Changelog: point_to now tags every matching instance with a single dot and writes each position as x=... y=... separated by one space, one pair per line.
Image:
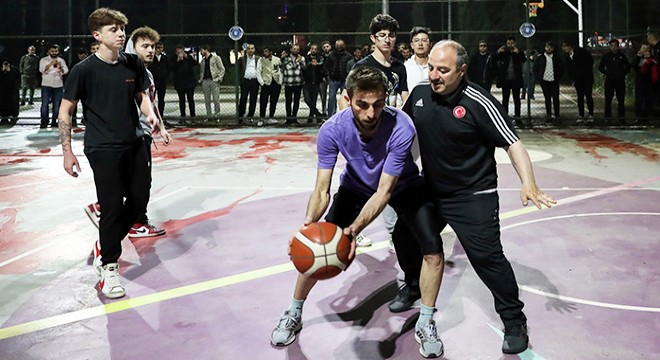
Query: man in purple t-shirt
x=375 y=140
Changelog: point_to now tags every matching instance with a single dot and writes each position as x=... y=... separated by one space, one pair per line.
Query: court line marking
x=122 y=305
x=528 y=354
x=578 y=300
x=191 y=289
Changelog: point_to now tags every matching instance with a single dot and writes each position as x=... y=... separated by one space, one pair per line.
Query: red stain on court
x=174 y=227
x=591 y=142
x=261 y=145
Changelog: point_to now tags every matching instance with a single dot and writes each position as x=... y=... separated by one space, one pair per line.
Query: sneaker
x=363 y=241
x=405 y=299
x=93 y=211
x=272 y=121
x=145 y=230
x=286 y=330
x=110 y=285
x=96 y=262
x=430 y=345
x=515 y=339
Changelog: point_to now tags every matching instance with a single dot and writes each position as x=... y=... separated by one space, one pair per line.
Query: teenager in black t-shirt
x=109 y=85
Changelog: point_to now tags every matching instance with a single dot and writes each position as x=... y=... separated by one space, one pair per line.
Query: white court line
x=573 y=299
x=23 y=185
x=568 y=98
x=588 y=302
x=30 y=252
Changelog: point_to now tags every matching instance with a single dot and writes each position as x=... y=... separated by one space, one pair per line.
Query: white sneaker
x=110 y=285
x=363 y=241
x=96 y=262
x=272 y=121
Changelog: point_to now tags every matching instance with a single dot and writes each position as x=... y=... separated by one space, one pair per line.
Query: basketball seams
x=320 y=250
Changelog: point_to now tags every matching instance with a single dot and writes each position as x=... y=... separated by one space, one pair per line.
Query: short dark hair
x=53 y=46
x=566 y=43
x=159 y=43
x=383 y=22
x=419 y=30
x=613 y=41
x=145 y=32
x=511 y=38
x=82 y=51
x=179 y=46
x=205 y=47
x=366 y=78
x=551 y=44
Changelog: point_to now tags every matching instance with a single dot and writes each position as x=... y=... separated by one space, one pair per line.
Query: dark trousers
x=551 y=95
x=292 y=101
x=644 y=98
x=119 y=174
x=416 y=225
x=323 y=92
x=160 y=94
x=142 y=217
x=183 y=94
x=269 y=93
x=511 y=87
x=475 y=219
x=311 y=95
x=248 y=87
x=48 y=95
x=617 y=86
x=584 y=89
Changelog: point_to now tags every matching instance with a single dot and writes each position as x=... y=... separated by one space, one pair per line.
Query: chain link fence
x=279 y=24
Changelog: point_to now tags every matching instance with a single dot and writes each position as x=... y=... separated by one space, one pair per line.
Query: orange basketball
x=320 y=250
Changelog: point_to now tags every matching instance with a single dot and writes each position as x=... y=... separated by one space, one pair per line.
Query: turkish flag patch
x=459 y=112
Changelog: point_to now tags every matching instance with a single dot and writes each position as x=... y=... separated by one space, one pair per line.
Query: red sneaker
x=144 y=230
x=96 y=262
x=93 y=211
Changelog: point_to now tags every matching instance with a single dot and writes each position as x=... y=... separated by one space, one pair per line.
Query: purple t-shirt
x=387 y=152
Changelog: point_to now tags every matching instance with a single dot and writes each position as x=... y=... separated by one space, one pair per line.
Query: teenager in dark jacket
x=548 y=69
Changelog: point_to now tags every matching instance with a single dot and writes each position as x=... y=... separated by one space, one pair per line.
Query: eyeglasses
x=382 y=36
x=422 y=40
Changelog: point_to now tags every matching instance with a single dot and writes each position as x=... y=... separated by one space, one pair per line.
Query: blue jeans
x=335 y=85
x=49 y=94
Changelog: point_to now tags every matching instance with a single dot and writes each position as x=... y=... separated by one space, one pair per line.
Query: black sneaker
x=515 y=339
x=405 y=299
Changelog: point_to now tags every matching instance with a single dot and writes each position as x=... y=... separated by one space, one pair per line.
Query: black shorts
x=413 y=206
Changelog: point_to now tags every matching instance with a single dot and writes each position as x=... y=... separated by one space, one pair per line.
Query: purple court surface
x=215 y=285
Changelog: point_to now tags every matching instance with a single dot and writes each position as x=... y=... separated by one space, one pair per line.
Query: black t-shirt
x=457 y=138
x=396 y=74
x=107 y=93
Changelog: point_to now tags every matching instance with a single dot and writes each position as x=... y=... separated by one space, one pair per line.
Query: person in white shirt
x=548 y=68
x=52 y=69
x=247 y=73
x=417 y=67
x=211 y=73
x=269 y=76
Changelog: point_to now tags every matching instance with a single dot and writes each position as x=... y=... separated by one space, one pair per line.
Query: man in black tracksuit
x=614 y=65
x=580 y=68
x=458 y=126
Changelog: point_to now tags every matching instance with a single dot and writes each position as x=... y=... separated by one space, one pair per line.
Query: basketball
x=320 y=250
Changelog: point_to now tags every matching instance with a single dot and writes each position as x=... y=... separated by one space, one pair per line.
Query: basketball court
x=216 y=284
